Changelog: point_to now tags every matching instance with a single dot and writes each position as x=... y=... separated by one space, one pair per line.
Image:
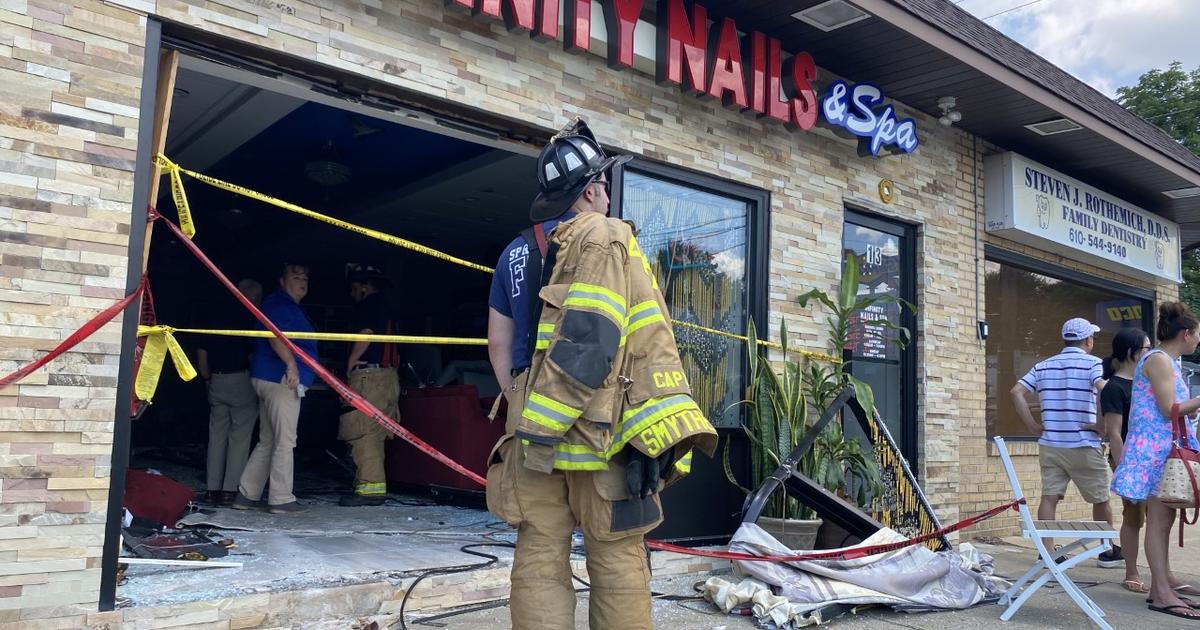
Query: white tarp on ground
x=789 y=595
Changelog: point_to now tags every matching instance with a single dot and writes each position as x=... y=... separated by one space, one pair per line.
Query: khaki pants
x=233 y=408
x=278 y=412
x=547 y=508
x=381 y=388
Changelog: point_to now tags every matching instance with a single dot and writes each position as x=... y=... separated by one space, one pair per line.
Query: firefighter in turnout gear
x=370 y=371
x=600 y=416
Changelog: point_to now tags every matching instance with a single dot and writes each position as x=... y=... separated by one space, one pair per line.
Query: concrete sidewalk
x=1049 y=608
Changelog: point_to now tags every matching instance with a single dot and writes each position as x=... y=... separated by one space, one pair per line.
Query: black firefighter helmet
x=566 y=166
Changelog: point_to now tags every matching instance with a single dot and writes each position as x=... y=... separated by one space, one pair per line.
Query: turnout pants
x=366 y=437
x=272 y=459
x=233 y=408
x=546 y=508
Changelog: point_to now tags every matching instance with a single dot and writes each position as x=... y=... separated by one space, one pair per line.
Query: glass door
x=887 y=266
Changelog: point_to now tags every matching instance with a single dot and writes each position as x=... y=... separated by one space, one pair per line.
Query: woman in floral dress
x=1158 y=384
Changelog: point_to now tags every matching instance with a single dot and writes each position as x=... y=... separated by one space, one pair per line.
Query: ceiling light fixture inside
x=327 y=170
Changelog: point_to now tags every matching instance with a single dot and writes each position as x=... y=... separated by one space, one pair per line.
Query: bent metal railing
x=903 y=506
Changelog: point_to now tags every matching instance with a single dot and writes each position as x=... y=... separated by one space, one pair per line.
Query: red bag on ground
x=156 y=497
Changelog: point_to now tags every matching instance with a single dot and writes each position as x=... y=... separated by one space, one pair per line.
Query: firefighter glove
x=644 y=473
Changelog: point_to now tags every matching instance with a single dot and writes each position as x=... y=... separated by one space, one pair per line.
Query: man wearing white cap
x=1069 y=446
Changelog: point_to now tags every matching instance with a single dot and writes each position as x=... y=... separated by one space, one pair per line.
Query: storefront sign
x=750 y=72
x=708 y=60
x=1029 y=203
x=855 y=110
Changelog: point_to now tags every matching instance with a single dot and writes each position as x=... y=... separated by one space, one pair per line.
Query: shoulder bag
x=1178 y=487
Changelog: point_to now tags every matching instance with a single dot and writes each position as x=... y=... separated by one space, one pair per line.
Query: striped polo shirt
x=1066 y=386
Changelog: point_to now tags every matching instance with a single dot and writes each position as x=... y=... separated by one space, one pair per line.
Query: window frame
x=1024 y=262
x=758 y=229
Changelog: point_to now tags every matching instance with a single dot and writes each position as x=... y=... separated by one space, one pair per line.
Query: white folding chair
x=1051 y=566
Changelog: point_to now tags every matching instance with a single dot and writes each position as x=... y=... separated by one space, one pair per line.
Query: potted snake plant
x=780 y=406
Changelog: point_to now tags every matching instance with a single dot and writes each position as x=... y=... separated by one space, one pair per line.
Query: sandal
x=1186 y=589
x=1135 y=586
x=1194 y=605
x=1169 y=610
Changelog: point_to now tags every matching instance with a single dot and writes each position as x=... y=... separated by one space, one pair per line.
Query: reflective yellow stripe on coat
x=596 y=298
x=641 y=315
x=544 y=332
x=578 y=457
x=645 y=415
x=635 y=252
x=684 y=465
x=549 y=413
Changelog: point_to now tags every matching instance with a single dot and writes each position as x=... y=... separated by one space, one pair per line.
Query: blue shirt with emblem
x=510 y=291
x=285 y=313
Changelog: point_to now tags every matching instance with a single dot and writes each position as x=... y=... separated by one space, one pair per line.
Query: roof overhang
x=921 y=50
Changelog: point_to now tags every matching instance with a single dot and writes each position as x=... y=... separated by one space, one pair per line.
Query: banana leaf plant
x=847 y=308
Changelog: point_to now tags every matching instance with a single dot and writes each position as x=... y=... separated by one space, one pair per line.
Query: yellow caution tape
x=279 y=203
x=319 y=336
x=415 y=339
x=180 y=197
x=159 y=343
x=185 y=221
x=820 y=356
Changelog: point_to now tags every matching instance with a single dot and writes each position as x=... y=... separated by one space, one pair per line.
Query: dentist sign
x=855 y=109
x=1034 y=205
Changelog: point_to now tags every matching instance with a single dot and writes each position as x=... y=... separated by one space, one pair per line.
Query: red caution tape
x=94 y=324
x=137 y=406
x=343 y=390
x=842 y=554
x=391 y=425
x=374 y=413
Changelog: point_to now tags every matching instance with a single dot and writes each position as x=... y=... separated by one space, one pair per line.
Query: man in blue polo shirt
x=1069 y=447
x=279 y=379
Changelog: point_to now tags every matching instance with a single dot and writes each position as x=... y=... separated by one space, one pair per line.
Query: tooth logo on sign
x=853 y=109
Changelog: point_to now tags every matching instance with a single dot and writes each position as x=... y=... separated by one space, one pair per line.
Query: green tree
x=1189 y=291
x=1170 y=99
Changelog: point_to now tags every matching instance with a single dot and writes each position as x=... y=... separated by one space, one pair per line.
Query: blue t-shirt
x=510 y=289
x=289 y=317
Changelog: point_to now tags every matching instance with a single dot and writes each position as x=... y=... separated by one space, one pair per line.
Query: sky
x=1106 y=43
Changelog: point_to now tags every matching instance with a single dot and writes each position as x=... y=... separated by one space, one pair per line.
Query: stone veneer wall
x=70 y=82
x=70 y=74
